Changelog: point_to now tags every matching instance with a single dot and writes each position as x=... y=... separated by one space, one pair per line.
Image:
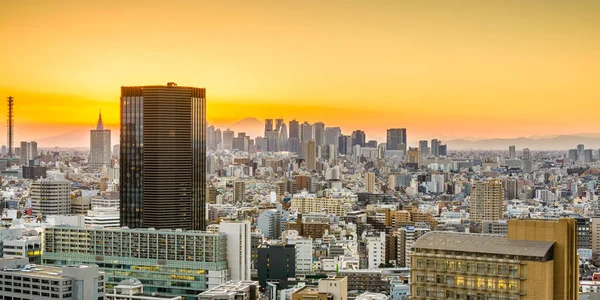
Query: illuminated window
x=460 y=280
x=491 y=284
x=501 y=284
x=513 y=285
x=480 y=282
x=449 y=266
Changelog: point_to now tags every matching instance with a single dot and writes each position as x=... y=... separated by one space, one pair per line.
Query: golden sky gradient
x=439 y=68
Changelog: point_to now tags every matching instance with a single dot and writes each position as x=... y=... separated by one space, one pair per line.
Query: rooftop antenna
x=10 y=126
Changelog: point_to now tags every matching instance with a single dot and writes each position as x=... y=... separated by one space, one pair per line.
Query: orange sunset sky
x=439 y=68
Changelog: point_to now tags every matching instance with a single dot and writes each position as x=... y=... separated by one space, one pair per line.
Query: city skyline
x=464 y=70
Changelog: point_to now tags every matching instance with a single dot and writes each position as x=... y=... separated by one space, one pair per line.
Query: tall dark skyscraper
x=294 y=130
x=358 y=138
x=163 y=157
x=396 y=139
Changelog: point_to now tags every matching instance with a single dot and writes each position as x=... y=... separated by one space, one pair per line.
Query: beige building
x=413 y=156
x=595 y=227
x=370 y=182
x=537 y=261
x=333 y=288
x=336 y=206
x=487 y=199
x=309 y=152
x=563 y=232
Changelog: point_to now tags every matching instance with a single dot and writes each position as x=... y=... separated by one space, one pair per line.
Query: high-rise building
x=512 y=154
x=211 y=140
x=241 y=142
x=587 y=156
x=294 y=130
x=487 y=199
x=309 y=153
x=238 y=248
x=227 y=143
x=306 y=131
x=100 y=154
x=163 y=157
x=572 y=155
x=396 y=139
x=33 y=150
x=359 y=138
x=116 y=149
x=435 y=147
x=370 y=182
x=344 y=144
x=278 y=124
x=332 y=136
x=319 y=130
x=268 y=125
x=563 y=233
x=24 y=153
x=51 y=197
x=443 y=150
x=580 y=149
x=239 y=188
x=423 y=148
x=527 y=161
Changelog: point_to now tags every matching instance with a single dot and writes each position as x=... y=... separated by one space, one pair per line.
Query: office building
x=396 y=139
x=238 y=248
x=358 y=138
x=194 y=260
x=227 y=143
x=241 y=142
x=406 y=238
x=344 y=145
x=435 y=147
x=306 y=131
x=580 y=150
x=512 y=154
x=233 y=290
x=423 y=148
x=24 y=281
x=595 y=228
x=319 y=130
x=304 y=257
x=376 y=250
x=563 y=233
x=527 y=161
x=313 y=229
x=269 y=223
x=34 y=172
x=163 y=157
x=413 y=156
x=309 y=153
x=487 y=198
x=51 y=197
x=370 y=182
x=100 y=152
x=331 y=288
x=332 y=136
x=276 y=264
x=365 y=280
x=587 y=156
x=449 y=265
x=294 y=128
x=24 y=153
x=268 y=125
x=572 y=155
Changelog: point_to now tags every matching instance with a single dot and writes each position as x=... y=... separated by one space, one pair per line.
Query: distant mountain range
x=559 y=142
x=251 y=126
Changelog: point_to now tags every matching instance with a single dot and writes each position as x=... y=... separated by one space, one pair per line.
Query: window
x=460 y=280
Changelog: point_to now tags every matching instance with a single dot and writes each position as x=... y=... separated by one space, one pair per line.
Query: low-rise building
x=232 y=290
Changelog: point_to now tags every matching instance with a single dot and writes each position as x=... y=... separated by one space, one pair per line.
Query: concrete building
x=239 y=188
x=396 y=139
x=309 y=153
x=105 y=217
x=595 y=233
x=269 y=223
x=313 y=229
x=306 y=131
x=337 y=206
x=365 y=280
x=238 y=248
x=304 y=254
x=370 y=182
x=163 y=157
x=29 y=246
x=133 y=289
x=51 y=197
x=512 y=154
x=228 y=136
x=336 y=286
x=376 y=250
x=74 y=282
x=449 y=265
x=195 y=260
x=406 y=238
x=81 y=205
x=233 y=290
x=495 y=227
x=423 y=148
x=276 y=265
x=319 y=130
x=100 y=152
x=332 y=136
x=487 y=198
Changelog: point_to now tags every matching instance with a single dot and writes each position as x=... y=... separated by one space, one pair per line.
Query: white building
x=303 y=254
x=376 y=250
x=133 y=289
x=107 y=217
x=238 y=248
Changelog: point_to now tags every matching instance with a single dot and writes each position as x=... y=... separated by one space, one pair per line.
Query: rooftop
x=483 y=244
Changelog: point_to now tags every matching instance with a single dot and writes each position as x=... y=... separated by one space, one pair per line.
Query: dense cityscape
x=181 y=210
x=300 y=150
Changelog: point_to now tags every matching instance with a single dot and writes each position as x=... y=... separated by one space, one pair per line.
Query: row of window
x=468 y=267
x=29 y=279
x=471 y=282
x=33 y=293
x=461 y=295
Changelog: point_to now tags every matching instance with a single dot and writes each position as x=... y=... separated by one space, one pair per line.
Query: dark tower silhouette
x=10 y=126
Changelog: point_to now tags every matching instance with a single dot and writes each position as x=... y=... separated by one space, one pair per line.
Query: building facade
x=51 y=197
x=172 y=262
x=100 y=150
x=487 y=198
x=163 y=157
